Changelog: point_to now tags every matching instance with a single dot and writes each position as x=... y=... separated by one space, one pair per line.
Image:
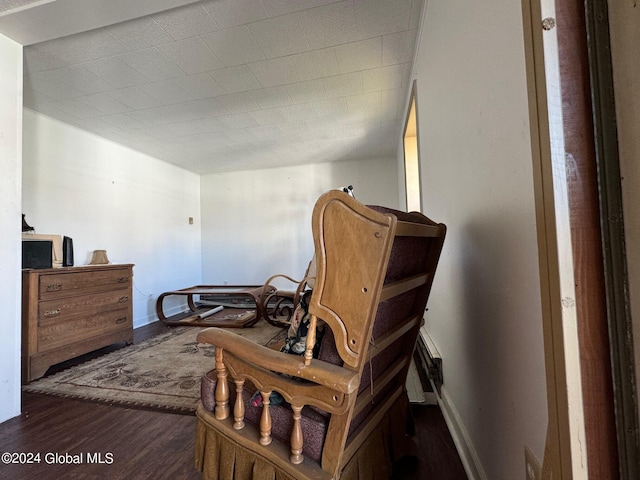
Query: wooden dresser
x=70 y=311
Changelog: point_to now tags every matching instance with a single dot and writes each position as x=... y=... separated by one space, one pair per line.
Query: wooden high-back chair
x=345 y=413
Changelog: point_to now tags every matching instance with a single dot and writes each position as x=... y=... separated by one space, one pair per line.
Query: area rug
x=160 y=373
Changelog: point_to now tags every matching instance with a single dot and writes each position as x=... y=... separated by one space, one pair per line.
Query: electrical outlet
x=190 y=220
x=532 y=466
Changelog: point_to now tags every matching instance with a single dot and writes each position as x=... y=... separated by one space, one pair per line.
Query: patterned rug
x=161 y=373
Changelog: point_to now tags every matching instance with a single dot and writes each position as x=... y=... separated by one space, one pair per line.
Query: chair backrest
x=352 y=245
x=375 y=270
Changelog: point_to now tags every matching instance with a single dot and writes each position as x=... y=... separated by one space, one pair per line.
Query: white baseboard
x=141 y=322
x=466 y=451
x=151 y=318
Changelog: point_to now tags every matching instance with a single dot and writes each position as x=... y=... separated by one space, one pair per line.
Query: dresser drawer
x=72 y=329
x=80 y=283
x=62 y=309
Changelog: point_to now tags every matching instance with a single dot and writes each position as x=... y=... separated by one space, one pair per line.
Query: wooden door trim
x=564 y=453
x=613 y=238
x=579 y=139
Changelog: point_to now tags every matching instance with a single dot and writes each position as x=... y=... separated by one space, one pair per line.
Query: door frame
x=565 y=454
x=613 y=237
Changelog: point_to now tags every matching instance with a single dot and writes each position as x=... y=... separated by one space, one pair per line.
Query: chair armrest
x=323 y=373
x=281 y=275
x=267 y=284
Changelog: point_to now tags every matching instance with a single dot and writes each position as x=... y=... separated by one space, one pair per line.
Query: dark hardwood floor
x=124 y=443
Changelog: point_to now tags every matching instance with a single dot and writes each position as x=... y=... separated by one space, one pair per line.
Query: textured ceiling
x=227 y=85
x=6 y=5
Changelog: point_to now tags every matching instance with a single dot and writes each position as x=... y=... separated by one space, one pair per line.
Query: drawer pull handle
x=123 y=279
x=52 y=313
x=121 y=320
x=54 y=287
x=123 y=299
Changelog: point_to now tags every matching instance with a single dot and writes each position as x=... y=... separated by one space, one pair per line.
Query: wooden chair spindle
x=238 y=408
x=265 y=420
x=296 y=437
x=311 y=340
x=222 y=389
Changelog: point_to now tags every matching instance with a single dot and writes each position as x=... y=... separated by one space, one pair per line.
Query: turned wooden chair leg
x=296 y=437
x=265 y=420
x=222 y=389
x=238 y=408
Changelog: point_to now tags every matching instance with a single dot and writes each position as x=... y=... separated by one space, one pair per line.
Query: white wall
x=476 y=167
x=624 y=22
x=258 y=223
x=10 y=256
x=106 y=196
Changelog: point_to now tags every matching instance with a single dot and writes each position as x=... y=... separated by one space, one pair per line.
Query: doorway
x=410 y=144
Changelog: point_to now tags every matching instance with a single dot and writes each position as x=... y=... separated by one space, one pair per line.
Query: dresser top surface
x=76 y=269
